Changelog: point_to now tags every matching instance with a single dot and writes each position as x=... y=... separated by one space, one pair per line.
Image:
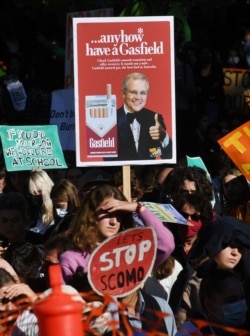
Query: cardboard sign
x=237 y=146
x=122 y=263
x=166 y=213
x=27 y=147
x=106 y=50
x=236 y=81
x=62 y=114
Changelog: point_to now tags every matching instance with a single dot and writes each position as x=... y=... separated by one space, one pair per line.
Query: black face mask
x=37 y=201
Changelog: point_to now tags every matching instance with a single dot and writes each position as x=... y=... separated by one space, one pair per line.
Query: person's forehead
x=137 y=82
x=188 y=207
x=189 y=184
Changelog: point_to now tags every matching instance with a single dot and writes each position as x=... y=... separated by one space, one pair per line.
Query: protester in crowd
x=224 y=245
x=199 y=214
x=152 y=178
x=142 y=313
x=53 y=247
x=102 y=214
x=39 y=185
x=57 y=174
x=224 y=307
x=66 y=201
x=26 y=260
x=16 y=303
x=136 y=184
x=74 y=174
x=235 y=194
x=15 y=220
x=16 y=300
x=234 y=59
x=92 y=178
x=222 y=232
x=243 y=44
x=16 y=181
x=167 y=273
x=186 y=179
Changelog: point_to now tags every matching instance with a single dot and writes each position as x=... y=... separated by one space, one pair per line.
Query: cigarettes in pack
x=101 y=124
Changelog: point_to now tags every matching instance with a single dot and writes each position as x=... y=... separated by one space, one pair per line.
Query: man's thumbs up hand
x=157 y=132
x=157 y=123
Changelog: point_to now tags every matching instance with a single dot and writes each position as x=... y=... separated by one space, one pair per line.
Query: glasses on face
x=194 y=216
x=137 y=93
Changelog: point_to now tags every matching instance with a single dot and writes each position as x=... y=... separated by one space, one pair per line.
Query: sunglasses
x=194 y=216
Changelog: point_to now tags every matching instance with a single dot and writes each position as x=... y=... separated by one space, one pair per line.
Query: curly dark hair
x=199 y=202
x=173 y=183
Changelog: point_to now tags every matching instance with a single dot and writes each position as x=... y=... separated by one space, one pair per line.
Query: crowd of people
x=200 y=278
x=62 y=221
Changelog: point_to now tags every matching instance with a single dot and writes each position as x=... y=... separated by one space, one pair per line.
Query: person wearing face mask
x=197 y=209
x=244 y=44
x=224 y=306
x=234 y=59
x=223 y=245
x=65 y=198
x=39 y=186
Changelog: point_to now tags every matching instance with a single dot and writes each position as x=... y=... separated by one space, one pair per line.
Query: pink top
x=72 y=259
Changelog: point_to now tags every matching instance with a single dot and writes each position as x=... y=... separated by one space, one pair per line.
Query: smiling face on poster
x=121 y=264
x=124 y=90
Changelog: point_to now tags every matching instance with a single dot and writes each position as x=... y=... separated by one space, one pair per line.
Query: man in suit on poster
x=142 y=133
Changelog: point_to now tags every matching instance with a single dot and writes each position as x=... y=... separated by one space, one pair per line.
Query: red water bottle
x=58 y=313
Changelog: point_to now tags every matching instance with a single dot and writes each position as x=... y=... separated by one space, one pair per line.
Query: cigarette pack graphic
x=101 y=124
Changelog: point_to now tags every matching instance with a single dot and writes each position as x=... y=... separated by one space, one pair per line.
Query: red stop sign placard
x=121 y=263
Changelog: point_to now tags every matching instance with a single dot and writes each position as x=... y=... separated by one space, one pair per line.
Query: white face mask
x=233 y=60
x=61 y=212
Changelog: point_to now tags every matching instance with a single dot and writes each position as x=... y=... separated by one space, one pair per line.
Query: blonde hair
x=39 y=183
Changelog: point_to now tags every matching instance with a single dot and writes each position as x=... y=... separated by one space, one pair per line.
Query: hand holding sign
x=157 y=132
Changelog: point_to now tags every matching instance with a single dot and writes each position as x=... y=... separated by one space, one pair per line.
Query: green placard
x=27 y=147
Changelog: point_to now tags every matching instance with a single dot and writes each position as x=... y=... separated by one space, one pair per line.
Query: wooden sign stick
x=126 y=182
